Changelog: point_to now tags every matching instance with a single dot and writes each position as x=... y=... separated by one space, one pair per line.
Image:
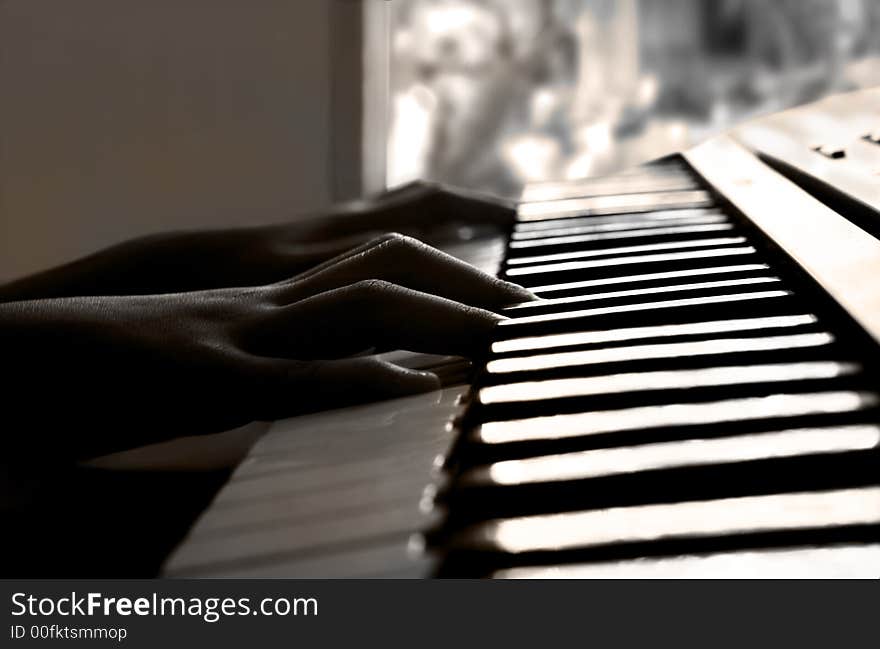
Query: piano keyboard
x=681 y=401
x=710 y=410
x=695 y=394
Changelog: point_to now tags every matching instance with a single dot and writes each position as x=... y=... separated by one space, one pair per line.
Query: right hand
x=112 y=373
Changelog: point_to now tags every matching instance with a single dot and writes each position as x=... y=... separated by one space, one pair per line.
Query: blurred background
x=123 y=117
x=490 y=94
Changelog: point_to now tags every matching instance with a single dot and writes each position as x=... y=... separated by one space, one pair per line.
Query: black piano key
x=471 y=452
x=579 y=270
x=493 y=406
x=707 y=414
x=679 y=244
x=628 y=383
x=656 y=312
x=636 y=295
x=584 y=395
x=470 y=503
x=665 y=356
x=658 y=334
x=645 y=280
x=632 y=459
x=462 y=562
x=468 y=560
x=838 y=561
x=856 y=506
x=640 y=235
x=666 y=471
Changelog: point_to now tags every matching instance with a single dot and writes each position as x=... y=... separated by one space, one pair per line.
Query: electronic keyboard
x=696 y=393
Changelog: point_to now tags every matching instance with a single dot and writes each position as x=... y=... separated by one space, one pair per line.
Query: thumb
x=298 y=387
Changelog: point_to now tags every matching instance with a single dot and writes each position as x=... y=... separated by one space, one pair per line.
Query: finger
x=344 y=255
x=368 y=314
x=426 y=205
x=475 y=207
x=410 y=263
x=419 y=207
x=296 y=256
x=409 y=189
x=296 y=387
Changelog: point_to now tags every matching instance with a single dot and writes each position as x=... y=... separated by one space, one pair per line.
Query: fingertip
x=520 y=293
x=487 y=318
x=416 y=381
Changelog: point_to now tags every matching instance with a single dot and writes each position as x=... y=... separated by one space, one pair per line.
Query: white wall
x=121 y=117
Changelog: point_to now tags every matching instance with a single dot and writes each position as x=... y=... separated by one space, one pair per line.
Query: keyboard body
x=695 y=395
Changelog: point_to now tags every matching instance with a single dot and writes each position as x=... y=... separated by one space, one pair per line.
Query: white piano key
x=573 y=227
x=646 y=352
x=661 y=331
x=610 y=236
x=637 y=292
x=582 y=465
x=266 y=511
x=323 y=444
x=664 y=380
x=622 y=250
x=322 y=471
x=328 y=479
x=680 y=414
x=647 y=277
x=835 y=562
x=612 y=204
x=644 y=306
x=214 y=553
x=551 y=191
x=352 y=433
x=630 y=260
x=720 y=517
x=378 y=560
x=655 y=216
x=229 y=517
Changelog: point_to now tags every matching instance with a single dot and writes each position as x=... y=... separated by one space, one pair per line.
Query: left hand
x=192 y=261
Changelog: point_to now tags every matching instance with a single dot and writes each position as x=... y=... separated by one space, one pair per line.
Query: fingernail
x=425 y=380
x=413 y=382
x=428 y=381
x=521 y=291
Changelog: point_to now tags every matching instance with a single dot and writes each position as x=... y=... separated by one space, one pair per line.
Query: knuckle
x=400 y=243
x=371 y=288
x=405 y=247
x=395 y=238
x=269 y=297
x=384 y=238
x=392 y=243
x=429 y=186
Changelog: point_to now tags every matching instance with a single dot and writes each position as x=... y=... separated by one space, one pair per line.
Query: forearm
x=66 y=280
x=166 y=262
x=25 y=361
x=62 y=358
